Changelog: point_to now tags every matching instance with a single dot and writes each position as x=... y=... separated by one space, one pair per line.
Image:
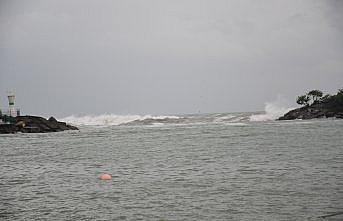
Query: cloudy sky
x=67 y=57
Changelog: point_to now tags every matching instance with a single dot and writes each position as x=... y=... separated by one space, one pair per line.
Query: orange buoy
x=105 y=176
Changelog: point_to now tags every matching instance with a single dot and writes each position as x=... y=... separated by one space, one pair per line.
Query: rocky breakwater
x=325 y=107
x=34 y=124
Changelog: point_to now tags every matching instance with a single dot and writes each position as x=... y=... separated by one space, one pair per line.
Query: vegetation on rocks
x=315 y=105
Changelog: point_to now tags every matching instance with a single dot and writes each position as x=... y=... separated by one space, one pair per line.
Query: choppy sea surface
x=194 y=167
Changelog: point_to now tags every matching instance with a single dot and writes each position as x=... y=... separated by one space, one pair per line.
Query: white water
x=109 y=119
x=273 y=110
x=224 y=118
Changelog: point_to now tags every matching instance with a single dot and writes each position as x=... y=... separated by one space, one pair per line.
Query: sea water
x=190 y=167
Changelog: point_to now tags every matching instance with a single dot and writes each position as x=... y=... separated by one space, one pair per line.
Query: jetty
x=12 y=122
x=33 y=124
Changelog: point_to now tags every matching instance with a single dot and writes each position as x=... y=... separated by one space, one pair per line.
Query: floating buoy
x=105 y=176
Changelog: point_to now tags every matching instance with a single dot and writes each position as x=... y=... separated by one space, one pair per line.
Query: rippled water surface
x=210 y=171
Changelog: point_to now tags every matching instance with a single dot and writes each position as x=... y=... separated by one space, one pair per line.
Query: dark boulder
x=8 y=129
x=52 y=119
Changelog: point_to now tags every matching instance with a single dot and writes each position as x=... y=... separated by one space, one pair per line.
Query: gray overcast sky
x=68 y=57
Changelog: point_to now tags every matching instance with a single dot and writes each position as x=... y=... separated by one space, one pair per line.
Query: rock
x=20 y=124
x=7 y=129
x=318 y=110
x=35 y=124
x=52 y=119
x=330 y=114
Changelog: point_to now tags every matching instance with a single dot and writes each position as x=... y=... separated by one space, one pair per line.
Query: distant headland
x=317 y=105
x=12 y=122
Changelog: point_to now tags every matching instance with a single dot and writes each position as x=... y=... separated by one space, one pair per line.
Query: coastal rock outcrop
x=330 y=107
x=35 y=124
x=310 y=113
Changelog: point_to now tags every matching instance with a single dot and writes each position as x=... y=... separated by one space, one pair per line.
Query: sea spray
x=273 y=110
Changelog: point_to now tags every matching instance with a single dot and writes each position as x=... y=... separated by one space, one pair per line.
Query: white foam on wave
x=109 y=119
x=273 y=110
x=224 y=118
x=236 y=124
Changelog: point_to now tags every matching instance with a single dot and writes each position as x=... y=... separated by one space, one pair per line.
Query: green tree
x=339 y=97
x=325 y=97
x=315 y=95
x=303 y=100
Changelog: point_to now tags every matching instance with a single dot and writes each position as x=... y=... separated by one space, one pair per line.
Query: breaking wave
x=138 y=120
x=111 y=119
x=273 y=110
